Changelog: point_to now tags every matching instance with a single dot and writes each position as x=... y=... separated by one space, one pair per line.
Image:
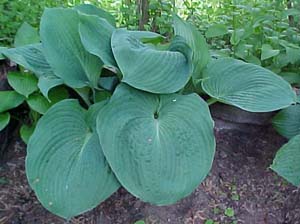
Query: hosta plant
x=138 y=122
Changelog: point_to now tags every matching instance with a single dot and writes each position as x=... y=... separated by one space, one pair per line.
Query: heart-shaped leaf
x=286 y=162
x=23 y=83
x=197 y=43
x=10 y=100
x=149 y=69
x=247 y=86
x=159 y=146
x=65 y=165
x=287 y=121
x=64 y=51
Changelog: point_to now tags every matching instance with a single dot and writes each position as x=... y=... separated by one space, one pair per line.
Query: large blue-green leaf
x=149 y=69
x=23 y=83
x=30 y=57
x=64 y=51
x=286 y=162
x=197 y=43
x=25 y=35
x=93 y=10
x=247 y=86
x=287 y=121
x=95 y=34
x=9 y=100
x=65 y=164
x=160 y=147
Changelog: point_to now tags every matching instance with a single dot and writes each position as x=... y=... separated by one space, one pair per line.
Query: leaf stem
x=211 y=101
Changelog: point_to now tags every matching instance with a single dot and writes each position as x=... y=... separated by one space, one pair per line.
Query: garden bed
x=239 y=182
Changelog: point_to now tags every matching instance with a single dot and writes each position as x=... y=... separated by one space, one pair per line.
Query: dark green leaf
x=10 y=100
x=4 y=120
x=38 y=103
x=23 y=83
x=26 y=132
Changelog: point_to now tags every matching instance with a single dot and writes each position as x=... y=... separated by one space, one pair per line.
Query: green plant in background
x=130 y=121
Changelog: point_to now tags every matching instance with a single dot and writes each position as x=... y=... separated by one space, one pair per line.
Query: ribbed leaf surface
x=197 y=43
x=64 y=51
x=287 y=121
x=30 y=57
x=23 y=83
x=146 y=68
x=65 y=165
x=95 y=34
x=159 y=146
x=247 y=86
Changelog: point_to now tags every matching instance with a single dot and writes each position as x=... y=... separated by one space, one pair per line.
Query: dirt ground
x=239 y=189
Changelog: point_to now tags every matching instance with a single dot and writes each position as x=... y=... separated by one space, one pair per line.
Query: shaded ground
x=240 y=180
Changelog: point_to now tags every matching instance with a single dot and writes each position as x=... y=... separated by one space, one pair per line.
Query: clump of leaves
x=130 y=124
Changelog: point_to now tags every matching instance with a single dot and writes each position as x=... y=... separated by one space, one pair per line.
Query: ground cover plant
x=135 y=118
